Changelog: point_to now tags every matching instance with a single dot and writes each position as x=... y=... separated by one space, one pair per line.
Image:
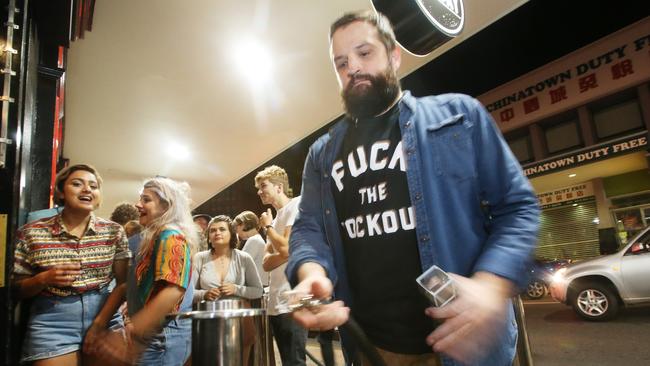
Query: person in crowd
x=247 y=225
x=401 y=184
x=224 y=272
x=124 y=212
x=272 y=185
x=160 y=282
x=65 y=264
x=201 y=221
x=132 y=227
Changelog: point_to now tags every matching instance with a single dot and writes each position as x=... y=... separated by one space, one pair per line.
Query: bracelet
x=268 y=227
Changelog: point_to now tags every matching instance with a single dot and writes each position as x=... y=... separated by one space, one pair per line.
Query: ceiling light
x=253 y=60
x=572 y=175
x=178 y=151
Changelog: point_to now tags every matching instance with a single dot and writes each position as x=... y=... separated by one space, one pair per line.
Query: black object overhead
x=421 y=26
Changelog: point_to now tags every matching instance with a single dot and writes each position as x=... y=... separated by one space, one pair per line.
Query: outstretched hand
x=322 y=317
x=473 y=321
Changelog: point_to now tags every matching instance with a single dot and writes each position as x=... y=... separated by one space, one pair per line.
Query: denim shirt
x=474 y=208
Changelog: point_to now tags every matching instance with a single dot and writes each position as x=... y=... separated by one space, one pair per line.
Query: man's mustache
x=359 y=77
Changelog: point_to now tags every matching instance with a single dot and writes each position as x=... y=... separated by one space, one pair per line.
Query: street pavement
x=558 y=336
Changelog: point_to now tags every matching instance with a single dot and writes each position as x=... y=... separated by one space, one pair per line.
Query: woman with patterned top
x=66 y=263
x=160 y=282
x=224 y=272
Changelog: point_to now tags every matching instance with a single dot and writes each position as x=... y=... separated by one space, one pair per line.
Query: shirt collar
x=408 y=100
x=58 y=228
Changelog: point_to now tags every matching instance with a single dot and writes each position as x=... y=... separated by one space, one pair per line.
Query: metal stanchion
x=266 y=344
x=524 y=353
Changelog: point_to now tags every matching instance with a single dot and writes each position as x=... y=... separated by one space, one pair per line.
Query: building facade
x=579 y=127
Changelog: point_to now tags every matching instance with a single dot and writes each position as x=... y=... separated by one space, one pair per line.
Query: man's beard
x=370 y=100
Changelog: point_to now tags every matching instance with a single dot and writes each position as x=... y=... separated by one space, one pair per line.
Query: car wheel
x=536 y=290
x=595 y=301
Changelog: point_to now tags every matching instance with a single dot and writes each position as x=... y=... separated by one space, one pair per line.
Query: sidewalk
x=314 y=348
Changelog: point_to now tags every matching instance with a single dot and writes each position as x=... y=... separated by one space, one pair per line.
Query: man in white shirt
x=272 y=185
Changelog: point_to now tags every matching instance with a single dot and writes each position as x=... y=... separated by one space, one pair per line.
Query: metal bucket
x=217 y=337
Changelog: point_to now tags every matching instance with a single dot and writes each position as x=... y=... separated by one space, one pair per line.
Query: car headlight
x=559 y=275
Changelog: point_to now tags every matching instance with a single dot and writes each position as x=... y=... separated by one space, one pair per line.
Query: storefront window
x=618 y=119
x=563 y=136
x=522 y=149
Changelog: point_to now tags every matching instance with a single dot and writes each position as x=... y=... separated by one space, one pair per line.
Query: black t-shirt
x=378 y=231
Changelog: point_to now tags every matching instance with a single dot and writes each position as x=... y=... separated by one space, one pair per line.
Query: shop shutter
x=569 y=232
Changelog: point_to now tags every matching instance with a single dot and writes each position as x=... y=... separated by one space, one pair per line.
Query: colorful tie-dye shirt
x=169 y=261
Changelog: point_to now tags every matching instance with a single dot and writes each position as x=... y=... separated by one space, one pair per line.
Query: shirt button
x=425 y=238
x=327 y=212
x=325 y=175
x=418 y=196
x=408 y=124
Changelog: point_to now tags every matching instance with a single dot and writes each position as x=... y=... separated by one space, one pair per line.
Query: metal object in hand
x=437 y=286
x=291 y=301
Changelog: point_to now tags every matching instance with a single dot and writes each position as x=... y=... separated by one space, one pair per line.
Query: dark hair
x=65 y=173
x=377 y=19
x=124 y=212
x=248 y=219
x=231 y=230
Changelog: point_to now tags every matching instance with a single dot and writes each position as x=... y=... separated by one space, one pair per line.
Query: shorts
x=171 y=346
x=58 y=324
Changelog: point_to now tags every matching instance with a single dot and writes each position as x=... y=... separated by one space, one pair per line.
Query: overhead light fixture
x=178 y=151
x=572 y=175
x=574 y=205
x=253 y=60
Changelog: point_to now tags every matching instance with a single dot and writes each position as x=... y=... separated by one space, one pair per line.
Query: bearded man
x=402 y=184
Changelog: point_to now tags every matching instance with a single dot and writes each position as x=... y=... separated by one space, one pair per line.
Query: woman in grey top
x=223 y=271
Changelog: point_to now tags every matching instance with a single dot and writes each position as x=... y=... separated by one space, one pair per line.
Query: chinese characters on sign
x=565 y=196
x=619 y=60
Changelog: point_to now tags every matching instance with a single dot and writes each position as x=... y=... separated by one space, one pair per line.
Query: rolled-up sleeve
x=173 y=261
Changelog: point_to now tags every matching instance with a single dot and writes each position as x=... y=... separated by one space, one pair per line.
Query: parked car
x=598 y=287
x=540 y=274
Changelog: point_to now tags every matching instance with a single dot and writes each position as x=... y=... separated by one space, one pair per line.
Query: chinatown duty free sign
x=616 y=62
x=568 y=195
x=588 y=155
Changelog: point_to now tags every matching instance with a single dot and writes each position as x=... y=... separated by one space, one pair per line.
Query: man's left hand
x=472 y=322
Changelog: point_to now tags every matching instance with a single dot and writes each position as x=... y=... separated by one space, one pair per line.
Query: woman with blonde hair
x=160 y=281
x=66 y=264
